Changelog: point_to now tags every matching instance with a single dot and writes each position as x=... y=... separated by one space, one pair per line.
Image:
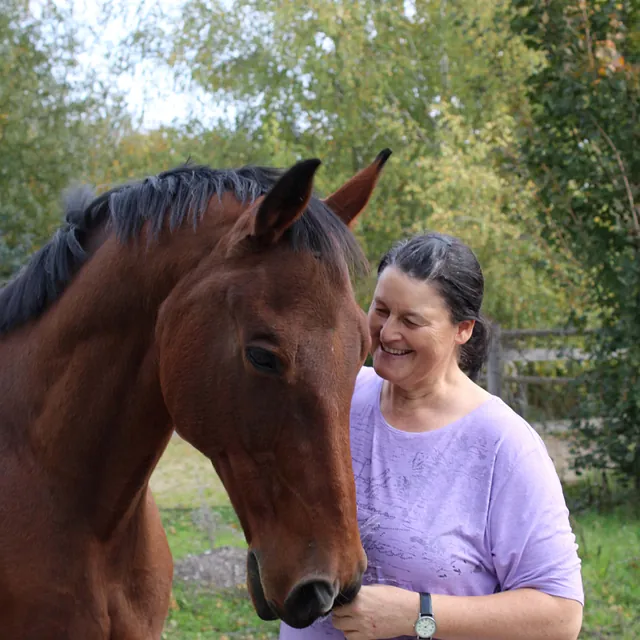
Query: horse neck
x=94 y=415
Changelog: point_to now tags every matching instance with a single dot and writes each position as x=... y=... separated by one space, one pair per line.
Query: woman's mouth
x=395 y=352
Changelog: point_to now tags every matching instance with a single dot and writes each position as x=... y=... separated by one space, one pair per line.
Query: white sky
x=149 y=91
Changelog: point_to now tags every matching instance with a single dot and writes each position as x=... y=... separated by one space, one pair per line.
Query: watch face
x=425 y=627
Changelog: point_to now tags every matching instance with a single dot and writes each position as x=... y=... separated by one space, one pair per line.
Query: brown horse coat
x=215 y=302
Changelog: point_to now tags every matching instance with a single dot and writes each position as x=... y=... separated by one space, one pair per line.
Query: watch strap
x=426 y=608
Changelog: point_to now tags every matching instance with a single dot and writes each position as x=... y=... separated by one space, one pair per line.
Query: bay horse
x=214 y=302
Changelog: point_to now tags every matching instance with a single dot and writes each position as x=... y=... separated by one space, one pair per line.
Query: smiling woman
x=460 y=509
x=452 y=272
x=411 y=330
x=426 y=327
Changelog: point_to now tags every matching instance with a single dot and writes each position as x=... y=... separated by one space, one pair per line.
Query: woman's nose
x=388 y=329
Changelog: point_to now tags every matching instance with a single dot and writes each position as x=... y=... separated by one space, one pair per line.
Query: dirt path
x=558 y=449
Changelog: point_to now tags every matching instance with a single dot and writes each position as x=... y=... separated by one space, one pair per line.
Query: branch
x=592 y=62
x=634 y=214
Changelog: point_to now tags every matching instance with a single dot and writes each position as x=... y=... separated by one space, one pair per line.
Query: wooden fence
x=509 y=352
x=501 y=353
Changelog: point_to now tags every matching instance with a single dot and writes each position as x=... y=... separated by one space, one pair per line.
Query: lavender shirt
x=473 y=508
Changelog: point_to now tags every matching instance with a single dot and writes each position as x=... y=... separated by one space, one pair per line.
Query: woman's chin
x=389 y=366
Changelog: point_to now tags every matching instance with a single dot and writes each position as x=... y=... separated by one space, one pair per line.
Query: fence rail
x=543 y=355
x=499 y=356
x=534 y=396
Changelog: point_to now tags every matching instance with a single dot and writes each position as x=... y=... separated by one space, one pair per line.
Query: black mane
x=177 y=194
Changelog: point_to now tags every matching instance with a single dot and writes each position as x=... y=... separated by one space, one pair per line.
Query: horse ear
x=286 y=202
x=352 y=197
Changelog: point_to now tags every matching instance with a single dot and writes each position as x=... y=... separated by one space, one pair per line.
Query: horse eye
x=264 y=360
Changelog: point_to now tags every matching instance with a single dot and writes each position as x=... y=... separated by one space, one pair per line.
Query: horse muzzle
x=308 y=600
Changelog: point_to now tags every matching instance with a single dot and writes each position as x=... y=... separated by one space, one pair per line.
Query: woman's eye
x=410 y=323
x=264 y=360
x=382 y=312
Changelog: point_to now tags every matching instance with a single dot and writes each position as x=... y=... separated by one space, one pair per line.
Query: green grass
x=606 y=524
x=610 y=549
x=185 y=478
x=194 y=530
x=608 y=532
x=200 y=615
x=197 y=613
x=196 y=515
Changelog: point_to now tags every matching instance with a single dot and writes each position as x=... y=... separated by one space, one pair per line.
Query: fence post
x=494 y=362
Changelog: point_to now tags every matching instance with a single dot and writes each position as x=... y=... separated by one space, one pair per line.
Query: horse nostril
x=307 y=602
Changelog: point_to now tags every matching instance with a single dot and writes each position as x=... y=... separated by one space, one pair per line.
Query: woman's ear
x=465 y=330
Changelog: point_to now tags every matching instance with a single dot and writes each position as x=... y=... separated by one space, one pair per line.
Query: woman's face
x=413 y=338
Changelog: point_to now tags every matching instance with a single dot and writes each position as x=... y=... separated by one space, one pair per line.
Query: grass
x=610 y=550
x=606 y=524
x=193 y=530
x=198 y=615
x=184 y=477
x=197 y=516
x=607 y=528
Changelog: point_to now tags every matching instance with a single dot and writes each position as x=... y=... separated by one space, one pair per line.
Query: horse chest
x=52 y=608
x=56 y=585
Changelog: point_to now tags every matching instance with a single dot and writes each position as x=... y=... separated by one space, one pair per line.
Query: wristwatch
x=426 y=623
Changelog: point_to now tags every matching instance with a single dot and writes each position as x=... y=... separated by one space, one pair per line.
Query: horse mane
x=178 y=194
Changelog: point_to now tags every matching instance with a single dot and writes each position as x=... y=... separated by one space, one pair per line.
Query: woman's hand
x=379 y=611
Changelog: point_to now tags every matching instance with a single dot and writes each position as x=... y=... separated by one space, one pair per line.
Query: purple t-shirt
x=473 y=508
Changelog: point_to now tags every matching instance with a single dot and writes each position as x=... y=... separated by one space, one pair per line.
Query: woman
x=460 y=509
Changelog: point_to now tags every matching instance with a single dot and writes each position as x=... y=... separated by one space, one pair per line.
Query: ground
x=220 y=568
x=558 y=448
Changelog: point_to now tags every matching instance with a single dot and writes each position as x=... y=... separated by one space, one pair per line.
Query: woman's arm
x=382 y=611
x=525 y=614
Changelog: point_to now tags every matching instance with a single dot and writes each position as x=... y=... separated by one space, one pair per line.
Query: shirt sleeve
x=529 y=533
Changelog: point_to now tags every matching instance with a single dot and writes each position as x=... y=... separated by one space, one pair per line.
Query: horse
x=214 y=302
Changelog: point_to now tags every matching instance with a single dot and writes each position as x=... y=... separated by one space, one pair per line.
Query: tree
x=438 y=82
x=468 y=194
x=49 y=124
x=582 y=148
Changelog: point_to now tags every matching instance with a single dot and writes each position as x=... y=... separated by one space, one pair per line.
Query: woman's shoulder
x=513 y=437
x=367 y=377
x=367 y=389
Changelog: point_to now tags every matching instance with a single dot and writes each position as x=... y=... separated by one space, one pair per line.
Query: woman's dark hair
x=453 y=268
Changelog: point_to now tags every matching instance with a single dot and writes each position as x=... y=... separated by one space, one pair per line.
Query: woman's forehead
x=395 y=287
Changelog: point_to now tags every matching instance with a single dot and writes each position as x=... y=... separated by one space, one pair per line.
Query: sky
x=149 y=91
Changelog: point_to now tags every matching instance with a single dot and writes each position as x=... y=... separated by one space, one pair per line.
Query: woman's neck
x=432 y=391
x=431 y=404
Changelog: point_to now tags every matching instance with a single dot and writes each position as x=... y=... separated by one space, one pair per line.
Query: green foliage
x=439 y=84
x=50 y=121
x=469 y=195
x=139 y=154
x=582 y=148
